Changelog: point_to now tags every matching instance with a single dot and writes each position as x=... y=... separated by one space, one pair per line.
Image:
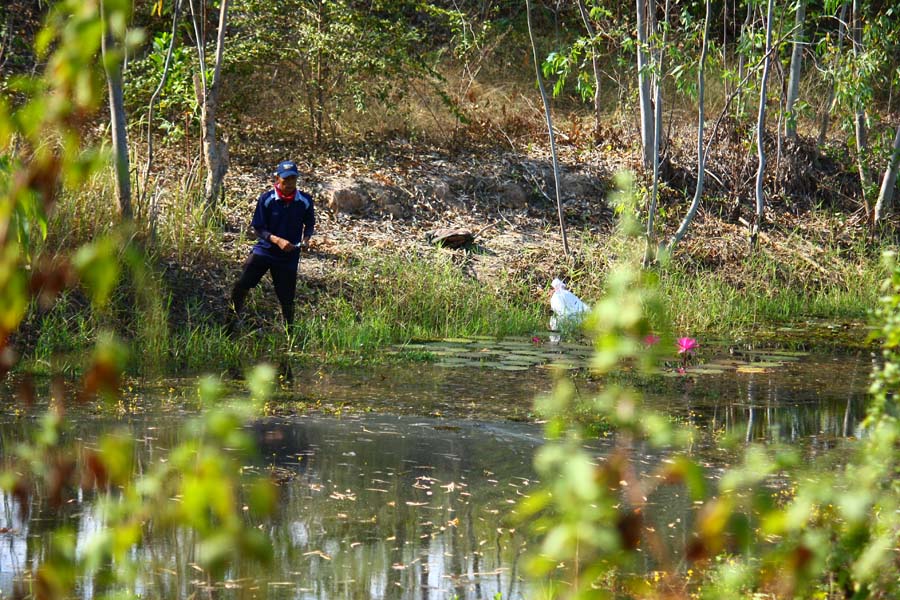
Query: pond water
x=398 y=481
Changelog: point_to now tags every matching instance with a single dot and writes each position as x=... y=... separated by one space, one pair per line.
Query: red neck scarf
x=282 y=196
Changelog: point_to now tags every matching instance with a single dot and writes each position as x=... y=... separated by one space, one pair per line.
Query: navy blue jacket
x=293 y=221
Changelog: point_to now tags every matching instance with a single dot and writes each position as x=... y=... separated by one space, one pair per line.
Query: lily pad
x=529 y=353
x=708 y=369
x=453 y=362
x=566 y=366
x=776 y=358
x=485 y=355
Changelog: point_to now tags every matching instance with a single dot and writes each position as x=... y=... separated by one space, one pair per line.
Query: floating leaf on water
x=524 y=358
x=478 y=355
x=566 y=366
x=446 y=348
x=510 y=367
x=752 y=369
x=763 y=364
x=454 y=363
x=780 y=358
x=458 y=340
x=489 y=364
x=443 y=352
x=709 y=369
x=779 y=352
x=725 y=364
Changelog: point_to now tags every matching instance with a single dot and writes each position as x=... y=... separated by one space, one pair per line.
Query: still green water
x=398 y=481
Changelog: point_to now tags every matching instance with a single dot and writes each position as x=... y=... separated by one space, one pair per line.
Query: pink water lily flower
x=686 y=345
x=651 y=339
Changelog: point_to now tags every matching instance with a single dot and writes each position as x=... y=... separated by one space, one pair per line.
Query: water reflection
x=812 y=403
x=382 y=506
x=409 y=504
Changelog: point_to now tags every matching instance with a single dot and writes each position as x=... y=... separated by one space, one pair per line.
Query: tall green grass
x=760 y=290
x=390 y=299
x=713 y=302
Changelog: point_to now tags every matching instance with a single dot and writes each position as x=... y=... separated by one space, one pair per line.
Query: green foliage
x=178 y=107
x=829 y=533
x=345 y=56
x=572 y=61
x=199 y=487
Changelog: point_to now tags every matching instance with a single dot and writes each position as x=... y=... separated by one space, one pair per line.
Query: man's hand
x=282 y=243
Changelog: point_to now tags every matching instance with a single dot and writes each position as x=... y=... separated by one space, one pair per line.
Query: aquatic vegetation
x=832 y=535
x=686 y=348
x=686 y=345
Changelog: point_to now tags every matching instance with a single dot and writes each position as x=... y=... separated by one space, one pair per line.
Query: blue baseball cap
x=287 y=168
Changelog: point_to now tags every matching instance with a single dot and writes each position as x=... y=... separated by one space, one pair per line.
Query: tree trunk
x=793 y=91
x=701 y=154
x=650 y=250
x=761 y=132
x=155 y=97
x=725 y=44
x=859 y=117
x=644 y=86
x=595 y=64
x=113 y=66
x=215 y=153
x=889 y=181
x=829 y=104
x=546 y=101
x=742 y=60
x=319 y=111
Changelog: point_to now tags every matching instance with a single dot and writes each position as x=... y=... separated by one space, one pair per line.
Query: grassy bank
x=358 y=297
x=372 y=300
x=711 y=302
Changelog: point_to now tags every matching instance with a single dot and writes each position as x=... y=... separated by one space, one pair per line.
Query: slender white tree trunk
x=793 y=91
x=546 y=101
x=650 y=251
x=761 y=131
x=595 y=63
x=155 y=97
x=859 y=117
x=742 y=60
x=214 y=151
x=644 y=85
x=113 y=65
x=701 y=154
x=889 y=181
x=829 y=103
